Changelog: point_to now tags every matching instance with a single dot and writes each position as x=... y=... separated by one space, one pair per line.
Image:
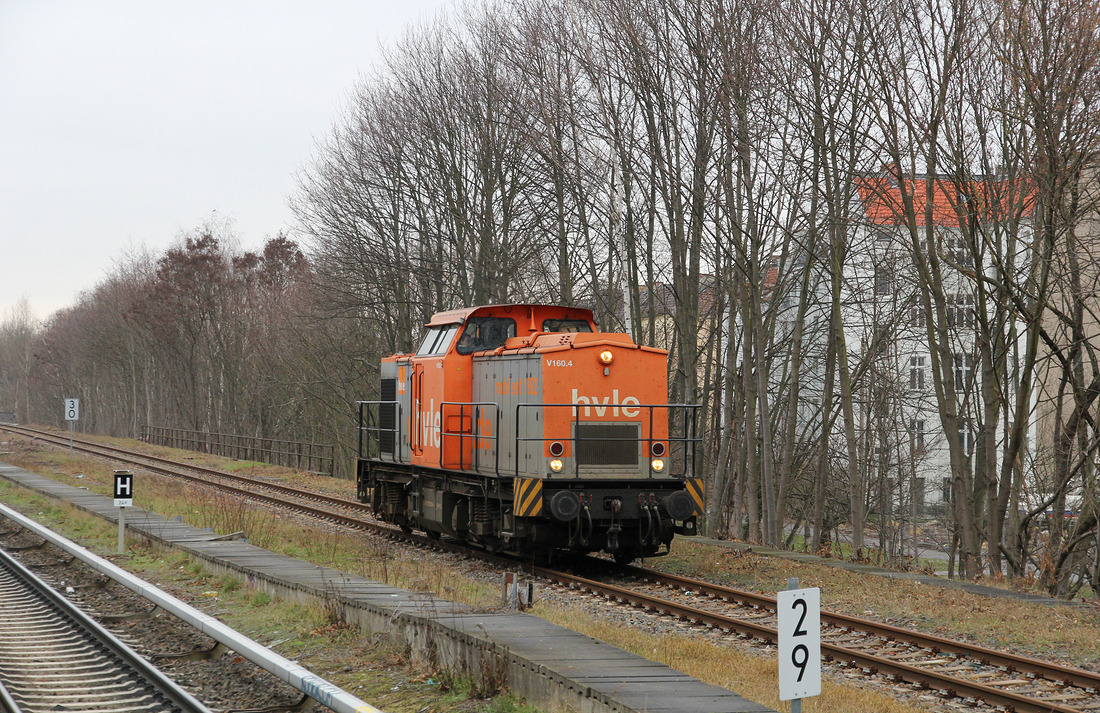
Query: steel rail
x=174 y=469
x=1052 y=672
x=921 y=677
x=139 y=459
x=136 y=459
x=874 y=664
x=142 y=681
x=7 y=703
x=282 y=668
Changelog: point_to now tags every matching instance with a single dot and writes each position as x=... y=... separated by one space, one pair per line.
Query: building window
x=960 y=311
x=883 y=335
x=963 y=370
x=958 y=252
x=916 y=311
x=918 y=492
x=966 y=437
x=946 y=490
x=916 y=373
x=884 y=281
x=918 y=435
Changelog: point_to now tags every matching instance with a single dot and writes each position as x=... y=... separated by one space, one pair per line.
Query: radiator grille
x=387 y=416
x=607 y=443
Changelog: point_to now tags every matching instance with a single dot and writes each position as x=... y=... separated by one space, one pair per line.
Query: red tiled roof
x=771 y=278
x=996 y=199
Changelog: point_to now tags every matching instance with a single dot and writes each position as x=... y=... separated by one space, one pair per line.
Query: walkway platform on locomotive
x=546 y=664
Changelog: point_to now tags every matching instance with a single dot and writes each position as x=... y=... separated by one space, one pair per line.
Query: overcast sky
x=124 y=124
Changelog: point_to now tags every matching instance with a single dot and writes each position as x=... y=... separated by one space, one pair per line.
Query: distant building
x=904 y=449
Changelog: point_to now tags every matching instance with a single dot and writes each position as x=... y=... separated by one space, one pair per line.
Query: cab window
x=437 y=340
x=566 y=325
x=483 y=333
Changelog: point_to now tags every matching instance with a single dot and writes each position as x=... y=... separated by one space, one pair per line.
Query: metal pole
x=70 y=439
x=796 y=703
x=121 y=530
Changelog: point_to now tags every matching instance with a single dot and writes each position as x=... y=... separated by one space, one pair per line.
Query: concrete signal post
x=124 y=498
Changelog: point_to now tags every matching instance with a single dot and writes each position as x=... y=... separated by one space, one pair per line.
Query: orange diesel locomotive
x=522 y=428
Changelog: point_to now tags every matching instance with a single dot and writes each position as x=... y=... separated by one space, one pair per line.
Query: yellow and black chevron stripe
x=528 y=497
x=695 y=490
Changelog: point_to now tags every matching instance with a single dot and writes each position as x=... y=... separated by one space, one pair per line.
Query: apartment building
x=887 y=315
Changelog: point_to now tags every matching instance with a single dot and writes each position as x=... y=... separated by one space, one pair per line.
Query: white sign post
x=124 y=498
x=799 y=612
x=72 y=415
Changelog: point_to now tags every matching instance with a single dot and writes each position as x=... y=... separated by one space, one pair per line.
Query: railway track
x=54 y=657
x=349 y=514
x=953 y=668
x=956 y=669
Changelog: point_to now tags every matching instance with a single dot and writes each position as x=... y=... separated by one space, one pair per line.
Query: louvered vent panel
x=607 y=443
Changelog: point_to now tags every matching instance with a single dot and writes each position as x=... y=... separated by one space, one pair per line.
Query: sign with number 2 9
x=799 y=613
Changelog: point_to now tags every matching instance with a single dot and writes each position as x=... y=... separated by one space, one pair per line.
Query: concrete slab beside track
x=546 y=664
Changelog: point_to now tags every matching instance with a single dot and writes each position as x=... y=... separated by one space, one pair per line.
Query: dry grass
x=374 y=668
x=1062 y=632
x=752 y=677
x=1068 y=633
x=355 y=553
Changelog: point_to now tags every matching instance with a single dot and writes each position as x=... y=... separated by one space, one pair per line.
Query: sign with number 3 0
x=799 y=613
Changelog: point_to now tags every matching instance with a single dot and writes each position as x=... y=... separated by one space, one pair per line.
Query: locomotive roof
x=458 y=316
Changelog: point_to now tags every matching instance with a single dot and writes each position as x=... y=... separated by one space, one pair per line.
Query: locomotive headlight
x=606 y=357
x=556 y=465
x=657 y=464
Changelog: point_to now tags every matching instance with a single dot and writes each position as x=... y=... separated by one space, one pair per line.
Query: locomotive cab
x=521 y=427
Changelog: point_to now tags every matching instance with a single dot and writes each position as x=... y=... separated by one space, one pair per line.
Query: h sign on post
x=124 y=489
x=799 y=613
x=124 y=498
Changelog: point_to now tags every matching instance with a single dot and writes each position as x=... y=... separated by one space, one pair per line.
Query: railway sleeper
x=22 y=548
x=48 y=565
x=129 y=616
x=213 y=652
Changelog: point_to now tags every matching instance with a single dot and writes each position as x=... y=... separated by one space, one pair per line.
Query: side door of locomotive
x=426 y=389
x=396 y=416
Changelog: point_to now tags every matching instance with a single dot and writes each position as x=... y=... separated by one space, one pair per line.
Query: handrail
x=690 y=439
x=377 y=430
x=369 y=424
x=284 y=669
x=474 y=434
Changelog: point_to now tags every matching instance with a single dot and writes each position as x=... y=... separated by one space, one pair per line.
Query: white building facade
x=904 y=457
